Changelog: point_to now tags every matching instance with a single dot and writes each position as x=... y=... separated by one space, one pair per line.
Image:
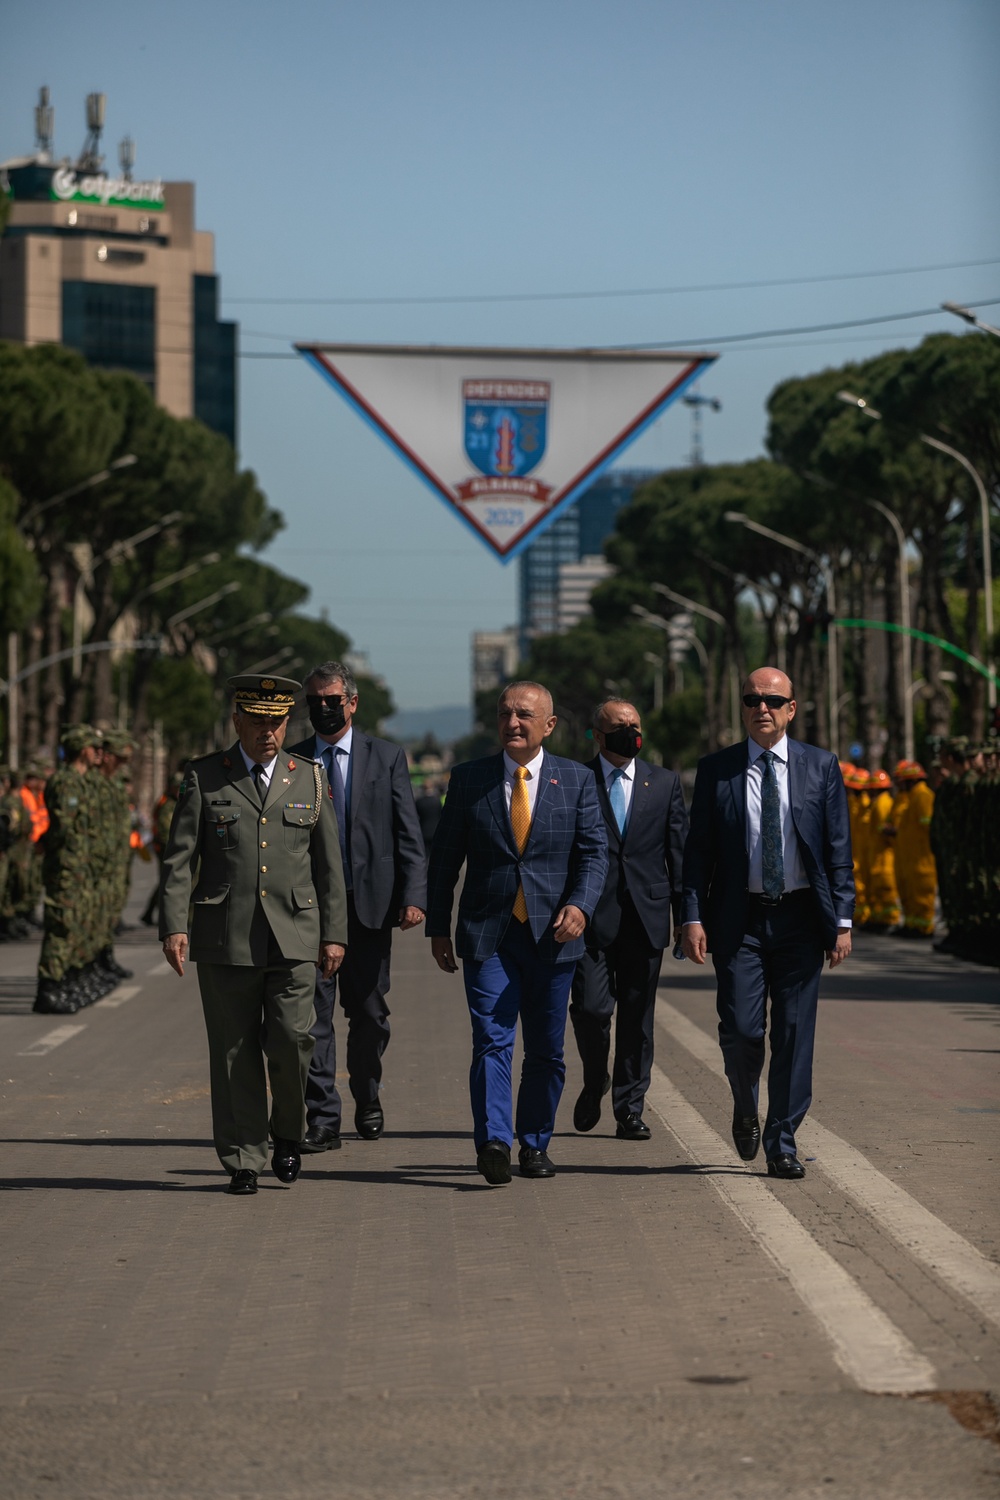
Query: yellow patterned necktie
x=520 y=822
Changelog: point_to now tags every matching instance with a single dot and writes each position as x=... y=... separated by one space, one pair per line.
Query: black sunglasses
x=773 y=700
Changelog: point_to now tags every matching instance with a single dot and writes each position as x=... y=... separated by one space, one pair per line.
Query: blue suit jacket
x=564 y=861
x=716 y=863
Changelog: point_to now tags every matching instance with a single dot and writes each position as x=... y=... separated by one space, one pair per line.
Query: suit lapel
x=614 y=837
x=239 y=777
x=543 y=797
x=796 y=782
x=498 y=803
x=738 y=788
x=361 y=751
x=640 y=796
x=280 y=780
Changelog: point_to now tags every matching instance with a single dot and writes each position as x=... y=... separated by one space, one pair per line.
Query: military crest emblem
x=506 y=425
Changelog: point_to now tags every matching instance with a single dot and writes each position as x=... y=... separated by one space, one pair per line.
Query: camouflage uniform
x=11 y=817
x=66 y=874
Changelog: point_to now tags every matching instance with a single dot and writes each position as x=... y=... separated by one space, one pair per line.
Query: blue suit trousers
x=516 y=982
x=781 y=959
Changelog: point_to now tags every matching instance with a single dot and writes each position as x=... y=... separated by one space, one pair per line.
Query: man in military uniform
x=11 y=817
x=66 y=875
x=116 y=827
x=260 y=829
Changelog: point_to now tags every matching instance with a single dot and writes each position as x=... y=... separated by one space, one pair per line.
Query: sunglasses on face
x=773 y=700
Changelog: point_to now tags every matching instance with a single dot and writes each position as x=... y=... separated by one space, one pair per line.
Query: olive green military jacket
x=236 y=854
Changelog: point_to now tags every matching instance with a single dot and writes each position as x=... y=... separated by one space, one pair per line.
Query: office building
x=577 y=533
x=494 y=659
x=577 y=581
x=113 y=266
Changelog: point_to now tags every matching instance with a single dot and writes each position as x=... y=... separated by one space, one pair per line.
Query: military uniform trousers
x=618 y=980
x=363 y=983
x=253 y=1012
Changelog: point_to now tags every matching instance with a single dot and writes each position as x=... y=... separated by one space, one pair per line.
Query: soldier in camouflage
x=63 y=985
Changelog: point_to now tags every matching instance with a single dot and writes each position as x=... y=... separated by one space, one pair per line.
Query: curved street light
x=984 y=510
x=968 y=316
x=831 y=606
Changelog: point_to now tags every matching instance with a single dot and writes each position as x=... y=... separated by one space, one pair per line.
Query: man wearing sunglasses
x=768 y=888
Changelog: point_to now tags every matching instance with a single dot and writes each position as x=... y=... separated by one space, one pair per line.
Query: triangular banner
x=506 y=437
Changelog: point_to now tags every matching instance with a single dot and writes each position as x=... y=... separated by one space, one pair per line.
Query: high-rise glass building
x=579 y=532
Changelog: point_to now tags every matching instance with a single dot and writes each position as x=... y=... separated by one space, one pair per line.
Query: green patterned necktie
x=773 y=865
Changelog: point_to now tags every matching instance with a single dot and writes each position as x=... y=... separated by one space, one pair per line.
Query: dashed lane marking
x=921 y=1233
x=118 y=997
x=866 y=1344
x=50 y=1041
x=161 y=968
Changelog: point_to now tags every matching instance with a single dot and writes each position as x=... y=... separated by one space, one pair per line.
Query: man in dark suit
x=769 y=887
x=528 y=828
x=646 y=826
x=385 y=872
x=254 y=834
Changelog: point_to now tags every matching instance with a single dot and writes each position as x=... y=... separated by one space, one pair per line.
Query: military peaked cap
x=269 y=697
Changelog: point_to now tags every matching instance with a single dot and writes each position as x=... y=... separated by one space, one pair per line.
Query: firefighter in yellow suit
x=858 y=804
x=916 y=872
x=883 y=897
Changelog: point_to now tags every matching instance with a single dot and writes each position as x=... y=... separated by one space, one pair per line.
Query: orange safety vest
x=37 y=811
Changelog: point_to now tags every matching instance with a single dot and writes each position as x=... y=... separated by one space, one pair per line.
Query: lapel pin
x=291 y=765
x=227 y=762
x=286 y=781
x=645 y=783
x=553 y=780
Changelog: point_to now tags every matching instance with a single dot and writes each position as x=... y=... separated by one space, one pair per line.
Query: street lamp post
x=904 y=611
x=969 y=316
x=112 y=554
x=656 y=662
x=831 y=609
x=984 y=510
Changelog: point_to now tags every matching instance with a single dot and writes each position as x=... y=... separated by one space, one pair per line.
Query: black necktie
x=260 y=783
x=772 y=861
x=339 y=805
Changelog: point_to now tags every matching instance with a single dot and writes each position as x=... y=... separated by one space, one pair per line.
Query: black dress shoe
x=534 y=1163
x=369 y=1121
x=286 y=1163
x=785 y=1166
x=493 y=1162
x=633 y=1128
x=242 y=1184
x=587 y=1110
x=321 y=1138
x=746 y=1136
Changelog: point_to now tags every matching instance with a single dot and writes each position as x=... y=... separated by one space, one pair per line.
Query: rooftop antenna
x=45 y=120
x=91 y=159
x=697 y=404
x=126 y=156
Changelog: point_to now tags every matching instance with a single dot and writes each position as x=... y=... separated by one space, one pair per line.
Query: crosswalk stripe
x=919 y=1231
x=866 y=1344
x=118 y=997
x=50 y=1041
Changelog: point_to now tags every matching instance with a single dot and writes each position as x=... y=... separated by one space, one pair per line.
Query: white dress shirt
x=534 y=770
x=626 y=775
x=340 y=761
x=796 y=878
x=267 y=766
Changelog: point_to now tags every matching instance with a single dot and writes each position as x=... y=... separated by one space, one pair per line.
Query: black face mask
x=326 y=715
x=626 y=741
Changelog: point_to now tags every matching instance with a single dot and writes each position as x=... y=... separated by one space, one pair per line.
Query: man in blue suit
x=529 y=829
x=769 y=888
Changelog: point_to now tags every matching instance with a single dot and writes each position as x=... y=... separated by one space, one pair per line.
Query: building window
x=112 y=326
x=214 y=361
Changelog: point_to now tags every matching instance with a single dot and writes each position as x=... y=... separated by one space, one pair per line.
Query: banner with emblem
x=507 y=438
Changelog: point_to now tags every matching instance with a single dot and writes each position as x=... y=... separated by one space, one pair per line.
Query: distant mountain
x=445 y=724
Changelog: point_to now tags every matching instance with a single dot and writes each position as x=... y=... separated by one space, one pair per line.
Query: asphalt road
x=657 y=1321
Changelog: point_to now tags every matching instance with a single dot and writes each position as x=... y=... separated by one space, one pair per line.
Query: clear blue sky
x=421 y=148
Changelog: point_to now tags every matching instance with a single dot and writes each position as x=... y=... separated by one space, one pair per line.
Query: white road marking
x=118 y=997
x=866 y=1344
x=921 y=1233
x=51 y=1040
x=161 y=968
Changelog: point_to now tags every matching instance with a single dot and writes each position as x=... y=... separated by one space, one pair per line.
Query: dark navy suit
x=513 y=968
x=628 y=933
x=761 y=950
x=384 y=870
